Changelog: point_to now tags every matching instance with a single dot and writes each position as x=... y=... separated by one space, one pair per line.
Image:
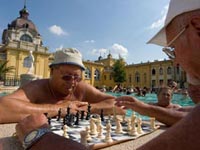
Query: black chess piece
x=82 y=114
x=59 y=114
x=49 y=120
x=68 y=110
x=77 y=118
x=69 y=121
x=88 y=112
x=102 y=115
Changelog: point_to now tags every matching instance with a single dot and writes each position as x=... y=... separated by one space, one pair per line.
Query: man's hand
x=128 y=102
x=30 y=123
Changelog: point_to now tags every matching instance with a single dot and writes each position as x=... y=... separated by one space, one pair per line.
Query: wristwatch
x=33 y=136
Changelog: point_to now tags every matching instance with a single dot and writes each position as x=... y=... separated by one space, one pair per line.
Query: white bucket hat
x=176 y=7
x=70 y=56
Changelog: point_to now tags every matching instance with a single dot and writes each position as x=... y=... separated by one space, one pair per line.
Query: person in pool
x=164 y=96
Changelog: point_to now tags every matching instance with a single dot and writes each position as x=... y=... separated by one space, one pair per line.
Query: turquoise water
x=152 y=98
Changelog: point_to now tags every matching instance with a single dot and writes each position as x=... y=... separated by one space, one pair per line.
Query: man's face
x=186 y=46
x=164 y=97
x=66 y=77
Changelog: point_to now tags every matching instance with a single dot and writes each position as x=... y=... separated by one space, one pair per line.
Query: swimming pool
x=152 y=98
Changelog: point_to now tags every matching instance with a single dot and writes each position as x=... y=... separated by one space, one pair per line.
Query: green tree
x=4 y=69
x=119 y=74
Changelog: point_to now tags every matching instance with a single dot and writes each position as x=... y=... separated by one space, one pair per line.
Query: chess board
x=96 y=143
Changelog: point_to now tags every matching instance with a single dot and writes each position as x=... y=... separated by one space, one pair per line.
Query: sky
x=95 y=27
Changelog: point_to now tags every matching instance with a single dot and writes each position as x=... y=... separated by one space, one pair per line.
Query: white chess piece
x=100 y=132
x=118 y=129
x=65 y=134
x=93 y=126
x=88 y=137
x=84 y=138
x=152 y=123
x=133 y=131
x=139 y=124
x=108 y=137
x=128 y=125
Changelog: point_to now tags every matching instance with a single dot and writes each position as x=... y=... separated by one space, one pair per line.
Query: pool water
x=152 y=98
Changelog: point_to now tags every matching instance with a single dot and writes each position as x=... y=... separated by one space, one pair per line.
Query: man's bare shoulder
x=35 y=89
x=35 y=84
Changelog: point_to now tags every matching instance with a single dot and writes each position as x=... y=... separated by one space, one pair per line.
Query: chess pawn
x=108 y=137
x=65 y=134
x=152 y=123
x=84 y=138
x=93 y=127
x=133 y=131
x=118 y=129
x=139 y=124
x=100 y=132
x=128 y=125
x=88 y=137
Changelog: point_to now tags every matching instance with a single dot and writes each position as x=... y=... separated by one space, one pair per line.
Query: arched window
x=130 y=78
x=161 y=71
x=87 y=73
x=97 y=75
x=153 y=72
x=137 y=77
x=169 y=70
x=26 y=37
x=145 y=77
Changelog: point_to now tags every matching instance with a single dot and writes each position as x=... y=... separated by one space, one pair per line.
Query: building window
x=97 y=75
x=169 y=70
x=110 y=77
x=130 y=79
x=104 y=77
x=145 y=78
x=26 y=38
x=161 y=71
x=87 y=73
x=153 y=72
x=137 y=77
x=177 y=69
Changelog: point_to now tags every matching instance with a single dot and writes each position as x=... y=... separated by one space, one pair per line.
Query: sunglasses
x=76 y=78
x=169 y=51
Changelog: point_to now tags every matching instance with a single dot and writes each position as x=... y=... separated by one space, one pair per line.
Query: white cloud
x=89 y=41
x=160 y=22
x=115 y=50
x=59 y=48
x=57 y=30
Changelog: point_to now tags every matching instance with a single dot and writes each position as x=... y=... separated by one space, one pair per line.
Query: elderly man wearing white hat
x=63 y=89
x=181 y=40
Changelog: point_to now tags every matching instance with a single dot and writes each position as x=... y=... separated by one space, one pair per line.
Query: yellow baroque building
x=21 y=37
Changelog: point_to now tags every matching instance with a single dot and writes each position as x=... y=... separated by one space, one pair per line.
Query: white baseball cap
x=68 y=56
x=176 y=7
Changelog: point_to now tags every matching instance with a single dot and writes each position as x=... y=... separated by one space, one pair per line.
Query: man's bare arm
x=13 y=110
x=183 y=135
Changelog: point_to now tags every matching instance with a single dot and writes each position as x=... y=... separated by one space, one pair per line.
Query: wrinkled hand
x=30 y=123
x=77 y=106
x=129 y=102
x=74 y=106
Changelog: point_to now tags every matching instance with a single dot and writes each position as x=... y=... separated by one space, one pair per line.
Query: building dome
x=23 y=22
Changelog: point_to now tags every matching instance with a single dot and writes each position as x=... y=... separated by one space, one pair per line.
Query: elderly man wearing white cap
x=63 y=89
x=181 y=40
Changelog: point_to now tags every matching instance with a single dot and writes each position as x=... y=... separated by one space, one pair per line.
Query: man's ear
x=195 y=21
